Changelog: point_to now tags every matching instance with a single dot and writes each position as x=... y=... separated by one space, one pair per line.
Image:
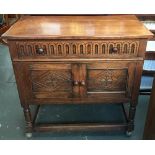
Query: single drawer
x=76 y=49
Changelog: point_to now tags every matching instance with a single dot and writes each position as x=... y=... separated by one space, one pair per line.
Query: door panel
x=107 y=78
x=52 y=80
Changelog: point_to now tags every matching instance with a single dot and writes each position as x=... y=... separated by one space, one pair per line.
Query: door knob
x=76 y=83
x=82 y=83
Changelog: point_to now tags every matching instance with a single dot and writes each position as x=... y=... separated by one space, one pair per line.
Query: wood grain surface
x=35 y=27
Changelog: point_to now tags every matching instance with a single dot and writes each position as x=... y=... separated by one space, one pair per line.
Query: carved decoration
x=51 y=81
x=107 y=80
x=76 y=48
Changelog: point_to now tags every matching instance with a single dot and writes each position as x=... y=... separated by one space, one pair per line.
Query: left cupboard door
x=47 y=80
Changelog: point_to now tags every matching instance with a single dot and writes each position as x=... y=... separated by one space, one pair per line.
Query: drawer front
x=76 y=49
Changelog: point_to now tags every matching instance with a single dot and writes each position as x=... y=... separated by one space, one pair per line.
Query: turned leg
x=28 y=119
x=131 y=117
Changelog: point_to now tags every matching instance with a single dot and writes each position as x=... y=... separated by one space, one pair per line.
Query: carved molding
x=76 y=48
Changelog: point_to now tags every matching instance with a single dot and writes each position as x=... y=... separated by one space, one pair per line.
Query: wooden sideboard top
x=79 y=27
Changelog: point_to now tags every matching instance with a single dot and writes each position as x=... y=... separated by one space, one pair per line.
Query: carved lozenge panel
x=107 y=80
x=51 y=81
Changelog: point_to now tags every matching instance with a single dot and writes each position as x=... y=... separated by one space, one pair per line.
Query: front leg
x=132 y=111
x=28 y=119
x=134 y=97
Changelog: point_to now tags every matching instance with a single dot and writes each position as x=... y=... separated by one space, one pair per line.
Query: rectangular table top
x=79 y=27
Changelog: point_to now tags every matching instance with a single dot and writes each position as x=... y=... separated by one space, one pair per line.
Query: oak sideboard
x=78 y=60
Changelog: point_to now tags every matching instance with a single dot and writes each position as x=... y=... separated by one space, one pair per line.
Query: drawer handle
x=76 y=83
x=114 y=50
x=82 y=83
x=40 y=51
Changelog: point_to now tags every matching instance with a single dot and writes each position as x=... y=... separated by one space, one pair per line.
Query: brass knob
x=76 y=83
x=82 y=83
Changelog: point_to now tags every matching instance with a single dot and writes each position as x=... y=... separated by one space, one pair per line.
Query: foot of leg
x=131 y=117
x=28 y=119
x=129 y=133
x=28 y=135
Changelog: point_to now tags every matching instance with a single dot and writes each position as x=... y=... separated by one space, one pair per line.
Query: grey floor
x=12 y=119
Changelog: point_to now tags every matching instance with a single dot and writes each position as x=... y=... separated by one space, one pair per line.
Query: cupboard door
x=102 y=79
x=53 y=80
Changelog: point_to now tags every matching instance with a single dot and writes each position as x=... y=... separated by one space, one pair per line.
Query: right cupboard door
x=107 y=81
